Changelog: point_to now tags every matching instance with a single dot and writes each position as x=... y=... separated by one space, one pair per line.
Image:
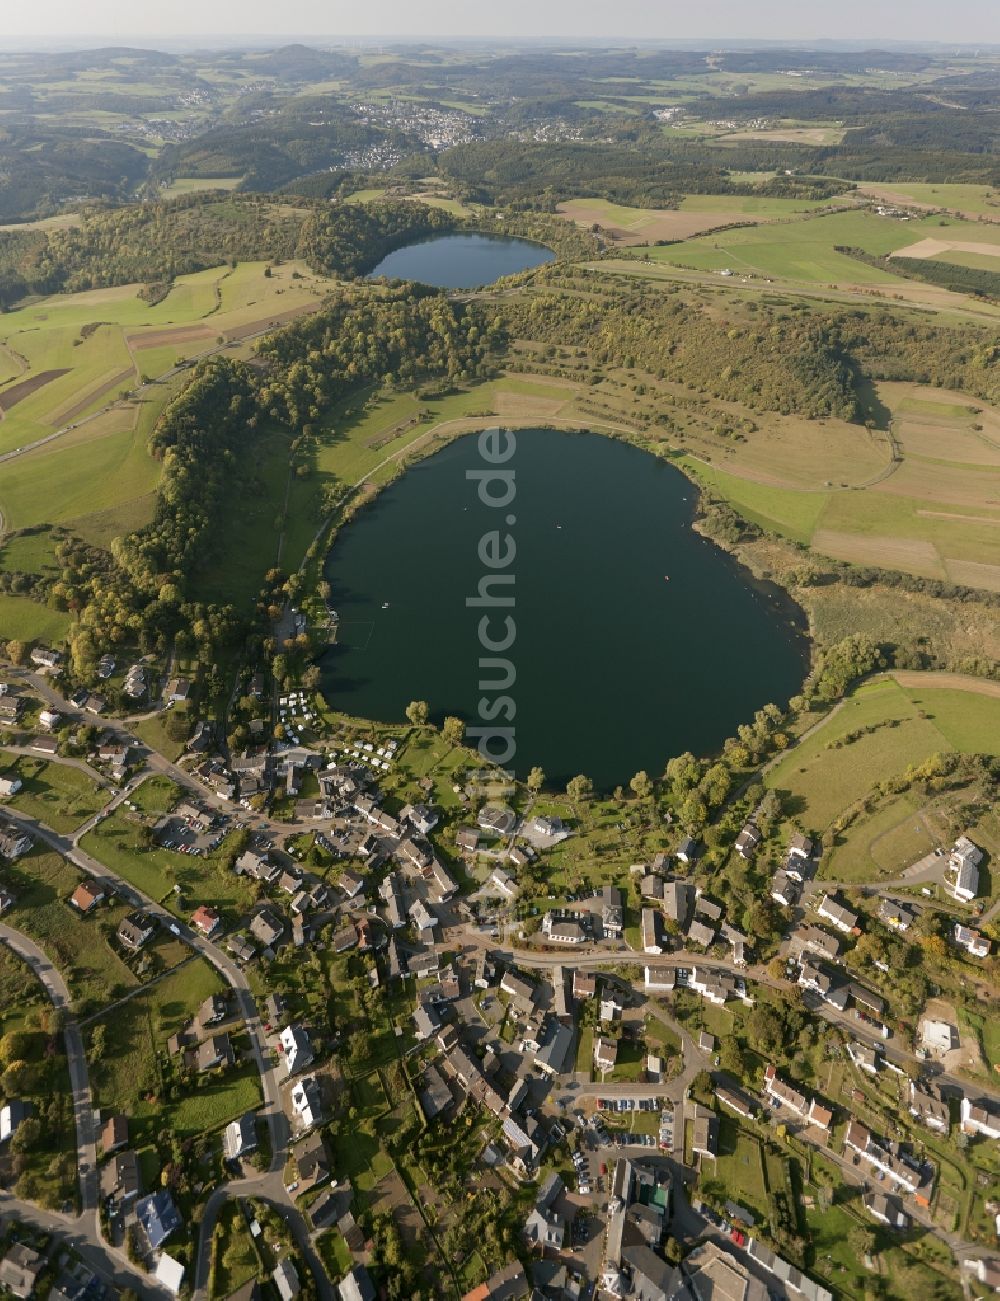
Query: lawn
x=156 y=795
x=154 y=733
x=138 y=1029
x=27 y=620
x=41 y=883
x=58 y=795
x=118 y=843
x=880 y=844
x=739 y=1167
x=213 y=1106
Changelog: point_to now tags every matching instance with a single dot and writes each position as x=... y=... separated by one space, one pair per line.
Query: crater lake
x=636 y=638
x=462 y=261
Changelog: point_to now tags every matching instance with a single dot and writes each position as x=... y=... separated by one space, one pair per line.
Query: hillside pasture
x=696 y=214
x=804 y=249
x=893 y=726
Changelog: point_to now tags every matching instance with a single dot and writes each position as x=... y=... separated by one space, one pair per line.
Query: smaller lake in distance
x=462 y=261
x=637 y=639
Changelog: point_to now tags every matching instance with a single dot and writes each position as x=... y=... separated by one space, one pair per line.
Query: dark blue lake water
x=636 y=639
x=462 y=261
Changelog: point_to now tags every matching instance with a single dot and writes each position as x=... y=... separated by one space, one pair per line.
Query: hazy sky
x=915 y=20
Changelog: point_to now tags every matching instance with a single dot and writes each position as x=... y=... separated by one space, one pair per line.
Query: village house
x=866 y=1057
x=701 y=934
x=135 y=930
x=974 y=943
x=14 y=843
x=158 y=1217
x=391 y=891
x=687 y=850
x=213 y=1053
x=518 y=989
x=87 y=895
x=443 y=885
x=813 y=939
x=605 y=1053
x=652 y=939
x=503 y=884
x=831 y=991
x=584 y=984
x=748 y=841
x=422 y=818
x=964 y=862
x=897 y=916
x=887 y=1210
x=267 y=927
x=678 y=902
x=980 y=1118
x=256 y=866
x=785 y=890
x=20 y=1270
x=704 y=1131
x=783 y=1094
x=306 y=1102
x=206 y=920
x=10 y=709
x=738 y=1102
x=659 y=980
x=611 y=913
x=240 y=1137
x=45 y=658
x=285 y=1278
x=716 y=987
x=213 y=1010
x=859 y=1139
x=114 y=1135
x=47 y=745
x=297 y=1048
x=837 y=914
x=929 y=1107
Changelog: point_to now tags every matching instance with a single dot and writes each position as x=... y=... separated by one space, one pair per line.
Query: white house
x=296 y=1047
x=964 y=862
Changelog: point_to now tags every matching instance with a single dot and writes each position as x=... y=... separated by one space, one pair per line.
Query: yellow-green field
x=103 y=341
x=936 y=514
x=197 y=184
x=895 y=725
